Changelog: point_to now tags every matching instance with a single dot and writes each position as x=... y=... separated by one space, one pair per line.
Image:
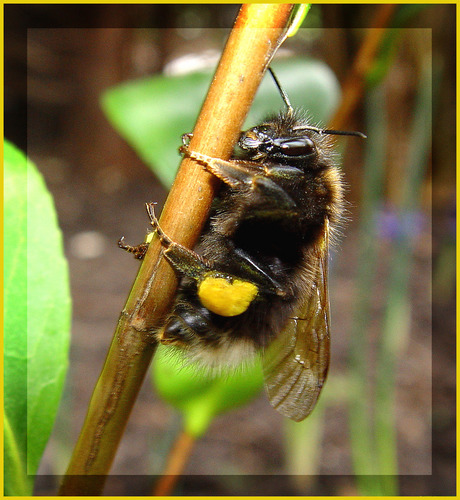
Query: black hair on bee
x=257 y=280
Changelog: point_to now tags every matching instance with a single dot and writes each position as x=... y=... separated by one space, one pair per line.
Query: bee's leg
x=253 y=271
x=182 y=259
x=195 y=266
x=234 y=173
x=240 y=175
x=185 y=140
x=283 y=172
x=265 y=189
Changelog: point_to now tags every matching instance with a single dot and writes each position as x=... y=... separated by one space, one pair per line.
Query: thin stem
x=258 y=31
x=177 y=460
x=396 y=320
x=361 y=429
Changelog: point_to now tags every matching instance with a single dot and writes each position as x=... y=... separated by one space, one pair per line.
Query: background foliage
x=100 y=186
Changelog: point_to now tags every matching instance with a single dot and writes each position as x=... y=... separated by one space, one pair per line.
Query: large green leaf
x=37 y=319
x=153 y=113
x=200 y=395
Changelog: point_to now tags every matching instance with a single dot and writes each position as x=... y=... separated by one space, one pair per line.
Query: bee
x=257 y=280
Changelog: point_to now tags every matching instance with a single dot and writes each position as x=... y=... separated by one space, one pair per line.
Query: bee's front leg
x=245 y=175
x=234 y=173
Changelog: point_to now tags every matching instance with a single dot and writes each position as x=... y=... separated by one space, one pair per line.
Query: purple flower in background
x=392 y=225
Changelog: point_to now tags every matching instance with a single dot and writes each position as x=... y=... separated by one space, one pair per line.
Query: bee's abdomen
x=192 y=327
x=187 y=321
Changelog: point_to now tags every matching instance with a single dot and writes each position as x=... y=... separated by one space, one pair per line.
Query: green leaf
x=153 y=113
x=37 y=319
x=198 y=394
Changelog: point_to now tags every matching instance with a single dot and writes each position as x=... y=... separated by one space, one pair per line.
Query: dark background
x=58 y=60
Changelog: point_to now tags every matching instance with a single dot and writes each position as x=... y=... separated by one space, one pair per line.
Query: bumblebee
x=257 y=280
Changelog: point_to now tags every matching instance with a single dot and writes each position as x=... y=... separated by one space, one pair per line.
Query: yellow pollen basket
x=226 y=298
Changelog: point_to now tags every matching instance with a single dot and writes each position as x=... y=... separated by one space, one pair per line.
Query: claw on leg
x=186 y=138
x=183 y=150
x=138 y=251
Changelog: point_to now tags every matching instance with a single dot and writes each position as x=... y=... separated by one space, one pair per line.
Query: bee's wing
x=296 y=361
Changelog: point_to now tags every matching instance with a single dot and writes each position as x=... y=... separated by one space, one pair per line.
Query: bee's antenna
x=344 y=132
x=282 y=92
x=331 y=132
x=290 y=109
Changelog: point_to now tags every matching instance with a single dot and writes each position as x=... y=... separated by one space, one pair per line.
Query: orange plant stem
x=177 y=460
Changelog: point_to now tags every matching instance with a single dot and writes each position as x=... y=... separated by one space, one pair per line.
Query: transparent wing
x=296 y=361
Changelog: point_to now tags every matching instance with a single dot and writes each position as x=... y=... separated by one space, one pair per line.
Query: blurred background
x=392 y=285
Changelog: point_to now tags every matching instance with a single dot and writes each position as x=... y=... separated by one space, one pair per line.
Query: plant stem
x=177 y=460
x=395 y=327
x=361 y=428
x=258 y=31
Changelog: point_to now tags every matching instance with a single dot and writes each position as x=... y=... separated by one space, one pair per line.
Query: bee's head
x=286 y=138
x=273 y=141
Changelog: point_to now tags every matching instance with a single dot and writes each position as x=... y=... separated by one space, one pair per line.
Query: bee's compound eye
x=299 y=146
